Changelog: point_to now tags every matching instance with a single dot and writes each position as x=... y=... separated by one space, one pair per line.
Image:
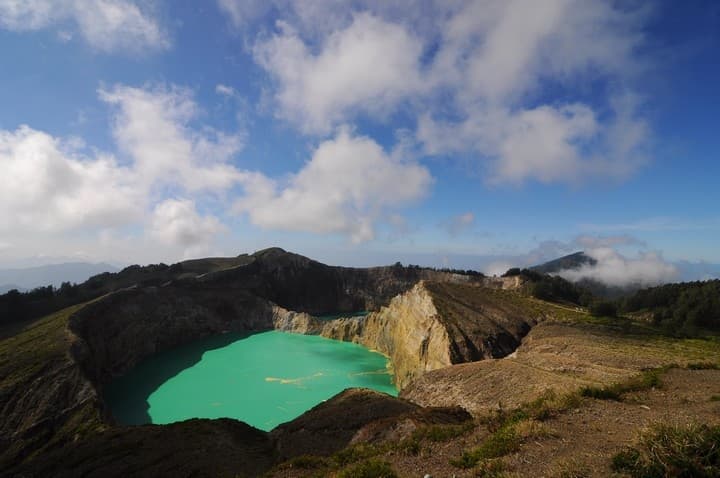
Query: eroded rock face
x=432 y=326
x=408 y=331
x=118 y=332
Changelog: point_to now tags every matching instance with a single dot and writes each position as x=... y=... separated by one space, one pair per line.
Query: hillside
x=468 y=353
x=571 y=261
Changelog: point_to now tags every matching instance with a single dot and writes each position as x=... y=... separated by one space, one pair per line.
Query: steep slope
x=567 y=351
x=434 y=325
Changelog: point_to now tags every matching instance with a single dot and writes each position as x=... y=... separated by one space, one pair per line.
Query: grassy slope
x=32 y=358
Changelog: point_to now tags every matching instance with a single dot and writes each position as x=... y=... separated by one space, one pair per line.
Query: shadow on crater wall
x=128 y=395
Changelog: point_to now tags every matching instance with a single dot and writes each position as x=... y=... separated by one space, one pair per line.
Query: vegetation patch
x=307 y=462
x=572 y=469
x=509 y=431
x=369 y=469
x=501 y=443
x=690 y=451
x=647 y=380
x=443 y=433
x=703 y=366
x=689 y=308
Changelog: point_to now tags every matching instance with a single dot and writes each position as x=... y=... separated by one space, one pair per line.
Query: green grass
x=647 y=380
x=26 y=354
x=443 y=433
x=690 y=451
x=24 y=358
x=503 y=442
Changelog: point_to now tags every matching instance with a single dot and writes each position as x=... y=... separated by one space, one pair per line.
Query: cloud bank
x=612 y=268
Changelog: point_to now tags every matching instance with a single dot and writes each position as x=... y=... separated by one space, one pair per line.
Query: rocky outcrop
x=432 y=326
x=357 y=416
x=409 y=331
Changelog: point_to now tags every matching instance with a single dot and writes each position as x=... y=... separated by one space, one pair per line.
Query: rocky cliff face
x=409 y=331
x=431 y=326
x=118 y=332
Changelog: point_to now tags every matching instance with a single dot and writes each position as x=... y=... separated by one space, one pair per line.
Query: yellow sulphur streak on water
x=297 y=381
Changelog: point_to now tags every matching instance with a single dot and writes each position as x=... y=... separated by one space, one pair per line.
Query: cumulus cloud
x=152 y=125
x=58 y=185
x=612 y=268
x=471 y=73
x=48 y=184
x=106 y=25
x=176 y=222
x=346 y=186
x=367 y=67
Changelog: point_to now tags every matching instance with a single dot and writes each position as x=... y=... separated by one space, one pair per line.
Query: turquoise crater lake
x=263 y=379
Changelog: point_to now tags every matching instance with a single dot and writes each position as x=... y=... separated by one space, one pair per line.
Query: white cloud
x=176 y=222
x=368 y=67
x=612 y=268
x=346 y=186
x=472 y=73
x=152 y=125
x=106 y=25
x=225 y=90
x=240 y=11
x=48 y=184
x=52 y=184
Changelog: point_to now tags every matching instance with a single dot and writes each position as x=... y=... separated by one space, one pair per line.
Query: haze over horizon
x=472 y=134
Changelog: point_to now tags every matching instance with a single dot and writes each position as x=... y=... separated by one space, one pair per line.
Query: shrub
x=502 y=442
x=690 y=451
x=603 y=309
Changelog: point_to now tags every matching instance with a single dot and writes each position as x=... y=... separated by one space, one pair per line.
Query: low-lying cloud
x=612 y=268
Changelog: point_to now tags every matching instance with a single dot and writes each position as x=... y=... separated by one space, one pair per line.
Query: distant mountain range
x=54 y=274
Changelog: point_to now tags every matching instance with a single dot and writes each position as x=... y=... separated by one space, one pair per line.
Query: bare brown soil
x=579 y=441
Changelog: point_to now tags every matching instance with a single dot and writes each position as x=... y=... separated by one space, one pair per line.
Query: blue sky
x=474 y=134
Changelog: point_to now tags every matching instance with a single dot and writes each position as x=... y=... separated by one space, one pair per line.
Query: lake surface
x=263 y=379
